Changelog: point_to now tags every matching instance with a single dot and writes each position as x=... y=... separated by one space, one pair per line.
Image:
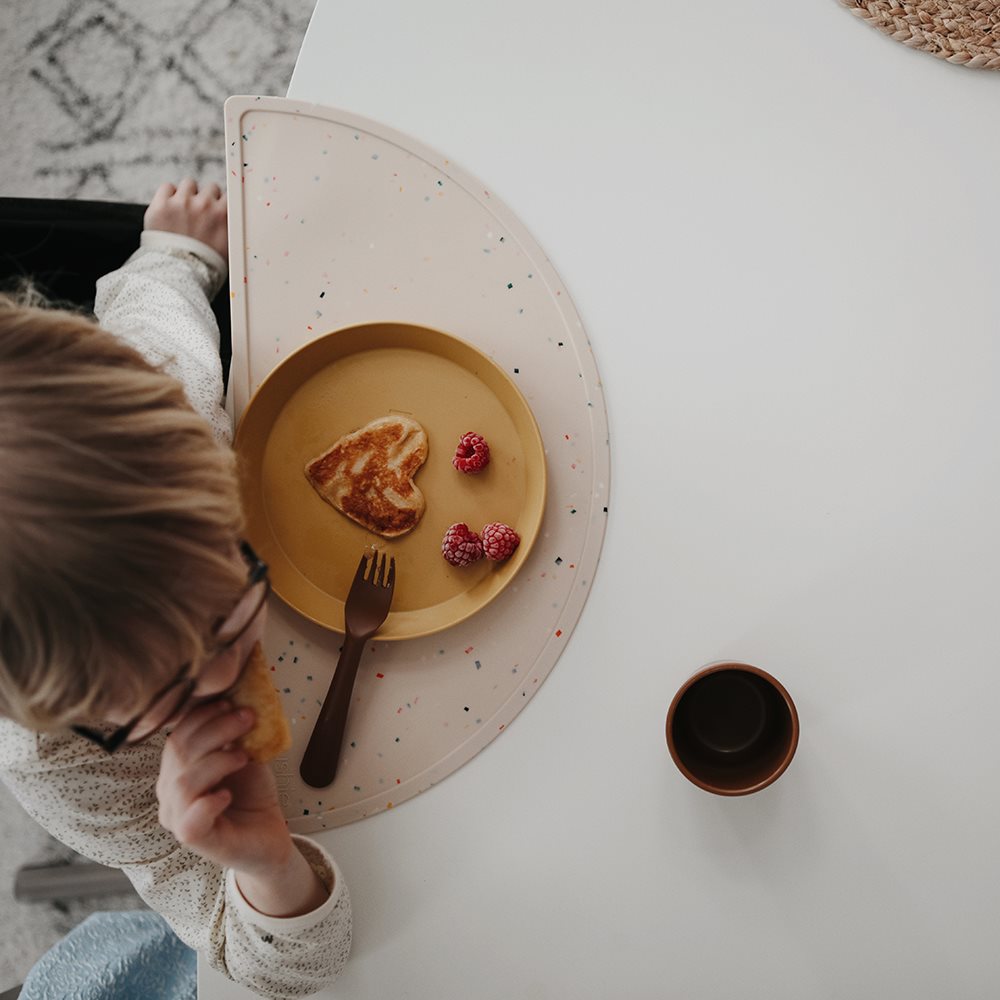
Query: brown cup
x=732 y=729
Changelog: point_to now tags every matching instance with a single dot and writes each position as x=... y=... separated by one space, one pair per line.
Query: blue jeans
x=116 y=956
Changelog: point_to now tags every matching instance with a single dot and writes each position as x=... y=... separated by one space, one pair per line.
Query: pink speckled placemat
x=335 y=221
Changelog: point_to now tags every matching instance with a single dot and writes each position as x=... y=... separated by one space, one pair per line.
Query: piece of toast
x=368 y=475
x=271 y=735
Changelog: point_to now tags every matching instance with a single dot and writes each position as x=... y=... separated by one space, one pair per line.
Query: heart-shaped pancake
x=368 y=475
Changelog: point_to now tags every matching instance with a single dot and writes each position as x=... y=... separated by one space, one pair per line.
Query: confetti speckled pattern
x=334 y=221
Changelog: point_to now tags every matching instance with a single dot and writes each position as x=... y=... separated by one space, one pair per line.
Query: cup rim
x=718 y=667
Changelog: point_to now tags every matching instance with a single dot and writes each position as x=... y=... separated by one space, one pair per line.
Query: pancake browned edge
x=368 y=475
x=271 y=735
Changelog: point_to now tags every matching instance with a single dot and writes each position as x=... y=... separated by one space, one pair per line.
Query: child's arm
x=158 y=301
x=105 y=807
x=220 y=804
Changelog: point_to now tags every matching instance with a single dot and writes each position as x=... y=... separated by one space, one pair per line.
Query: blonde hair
x=119 y=513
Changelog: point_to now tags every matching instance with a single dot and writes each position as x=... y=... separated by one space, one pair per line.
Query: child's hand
x=214 y=800
x=225 y=808
x=189 y=211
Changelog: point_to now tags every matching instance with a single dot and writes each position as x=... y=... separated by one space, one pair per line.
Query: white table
x=778 y=227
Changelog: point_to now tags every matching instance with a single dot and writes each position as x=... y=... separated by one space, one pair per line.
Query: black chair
x=65 y=246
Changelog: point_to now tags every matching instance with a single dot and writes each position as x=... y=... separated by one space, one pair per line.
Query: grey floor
x=31 y=928
x=106 y=99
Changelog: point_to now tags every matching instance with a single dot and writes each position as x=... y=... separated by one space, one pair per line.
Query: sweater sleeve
x=104 y=807
x=158 y=303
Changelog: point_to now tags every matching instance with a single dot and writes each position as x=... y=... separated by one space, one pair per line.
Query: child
x=129 y=604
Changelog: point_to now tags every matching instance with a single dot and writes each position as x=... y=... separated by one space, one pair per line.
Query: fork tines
x=374 y=571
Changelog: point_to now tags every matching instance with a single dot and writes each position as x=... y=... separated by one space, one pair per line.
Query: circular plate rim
x=506 y=571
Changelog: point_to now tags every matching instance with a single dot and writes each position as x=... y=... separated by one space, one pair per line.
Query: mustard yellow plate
x=336 y=384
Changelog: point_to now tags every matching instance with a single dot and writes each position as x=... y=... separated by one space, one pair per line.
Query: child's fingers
x=193 y=783
x=199 y=212
x=178 y=789
x=182 y=731
x=198 y=820
x=158 y=203
x=208 y=727
x=215 y=732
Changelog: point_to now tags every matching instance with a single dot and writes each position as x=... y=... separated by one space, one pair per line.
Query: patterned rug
x=106 y=99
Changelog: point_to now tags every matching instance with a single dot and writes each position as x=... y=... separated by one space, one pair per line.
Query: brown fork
x=366 y=609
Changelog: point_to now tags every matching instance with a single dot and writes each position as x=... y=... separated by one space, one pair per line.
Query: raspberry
x=460 y=546
x=472 y=454
x=499 y=540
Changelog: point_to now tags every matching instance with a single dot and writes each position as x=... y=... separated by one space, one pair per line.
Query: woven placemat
x=967 y=34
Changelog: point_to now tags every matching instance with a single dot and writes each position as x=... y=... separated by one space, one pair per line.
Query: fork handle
x=319 y=763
